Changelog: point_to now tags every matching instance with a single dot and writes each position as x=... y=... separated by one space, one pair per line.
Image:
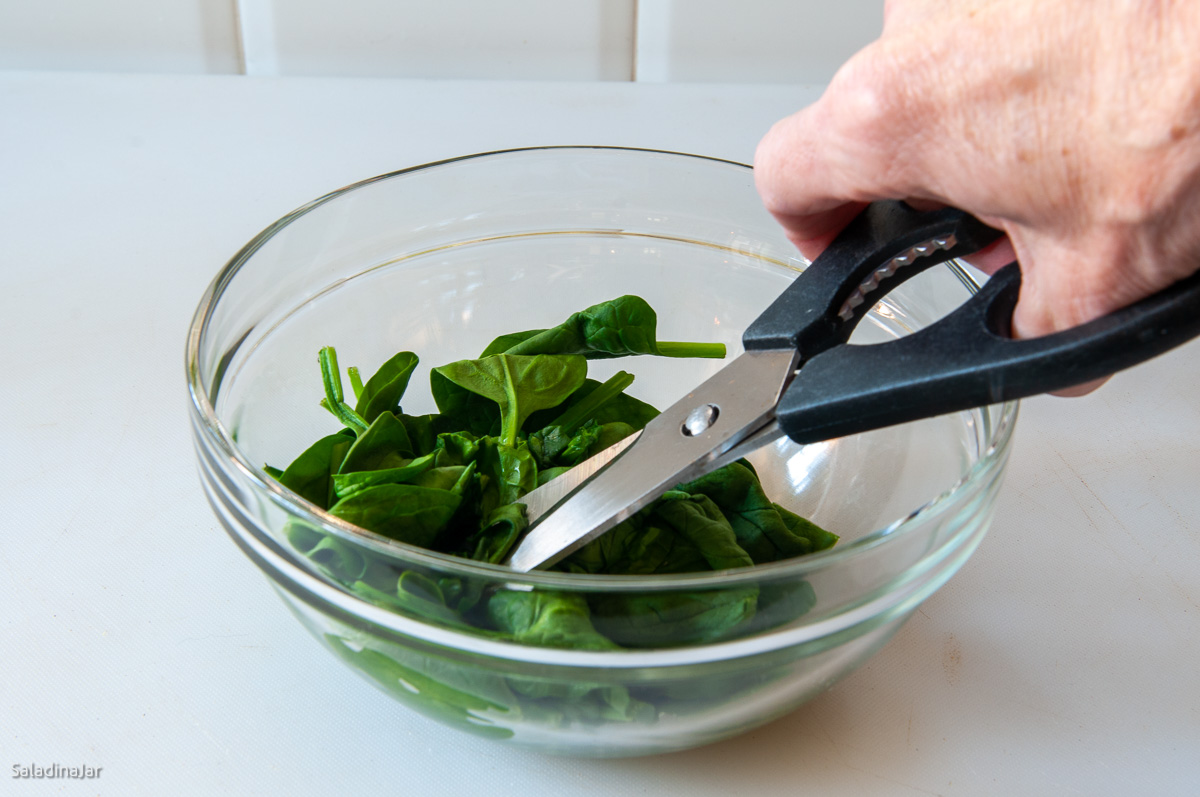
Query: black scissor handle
x=811 y=315
x=968 y=359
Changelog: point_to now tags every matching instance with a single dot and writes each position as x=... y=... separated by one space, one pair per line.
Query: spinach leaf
x=803 y=527
x=580 y=444
x=637 y=547
x=667 y=619
x=453 y=481
x=617 y=328
x=404 y=512
x=621 y=407
x=511 y=472
x=422 y=432
x=345 y=484
x=548 y=474
x=383 y=391
x=698 y=520
x=384 y=444
x=549 y=443
x=342 y=561
x=780 y=603
x=502 y=344
x=546 y=618
x=500 y=531
x=589 y=403
x=413 y=686
x=678 y=534
x=414 y=595
x=444 y=478
x=759 y=525
x=462 y=410
x=459 y=447
x=309 y=474
x=519 y=385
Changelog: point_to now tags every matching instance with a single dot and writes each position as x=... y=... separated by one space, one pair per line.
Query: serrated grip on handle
x=967 y=360
x=812 y=315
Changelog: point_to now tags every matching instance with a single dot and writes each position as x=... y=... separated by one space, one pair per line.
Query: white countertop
x=1063 y=659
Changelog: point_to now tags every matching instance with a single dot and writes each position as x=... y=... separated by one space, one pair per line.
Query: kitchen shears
x=799 y=376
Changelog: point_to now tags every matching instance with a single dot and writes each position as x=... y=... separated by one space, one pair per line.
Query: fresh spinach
x=521 y=413
x=520 y=385
x=616 y=328
x=309 y=476
x=404 y=512
x=383 y=391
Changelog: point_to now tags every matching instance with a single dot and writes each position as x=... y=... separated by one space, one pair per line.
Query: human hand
x=1074 y=127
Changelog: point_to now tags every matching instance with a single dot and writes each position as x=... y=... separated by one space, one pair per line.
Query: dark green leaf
x=802 y=527
x=505 y=342
x=637 y=547
x=667 y=619
x=519 y=385
x=622 y=407
x=548 y=619
x=383 y=391
x=404 y=512
x=511 y=472
x=547 y=474
x=760 y=528
x=460 y=447
x=414 y=687
x=345 y=484
x=462 y=410
x=503 y=526
x=421 y=431
x=616 y=328
x=384 y=444
x=309 y=475
x=443 y=478
x=701 y=523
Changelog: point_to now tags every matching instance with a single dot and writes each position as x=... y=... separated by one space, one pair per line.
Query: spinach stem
x=356 y=383
x=333 y=391
x=508 y=425
x=577 y=415
x=671 y=348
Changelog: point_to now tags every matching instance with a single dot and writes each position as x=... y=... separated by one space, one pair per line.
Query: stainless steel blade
x=552 y=493
x=678 y=445
x=540 y=501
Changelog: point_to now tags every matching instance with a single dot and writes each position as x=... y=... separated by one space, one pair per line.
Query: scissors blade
x=540 y=501
x=678 y=445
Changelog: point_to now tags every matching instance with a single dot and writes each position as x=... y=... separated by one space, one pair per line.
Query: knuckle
x=771 y=160
x=875 y=109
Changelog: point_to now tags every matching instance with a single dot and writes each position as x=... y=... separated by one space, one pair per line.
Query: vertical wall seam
x=652 y=20
x=239 y=35
x=633 y=55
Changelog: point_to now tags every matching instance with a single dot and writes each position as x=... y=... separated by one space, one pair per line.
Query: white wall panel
x=512 y=39
x=198 y=36
x=759 y=41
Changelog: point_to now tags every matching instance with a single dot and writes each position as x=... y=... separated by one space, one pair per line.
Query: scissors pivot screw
x=700 y=419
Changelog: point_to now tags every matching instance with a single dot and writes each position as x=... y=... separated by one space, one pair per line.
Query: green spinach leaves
x=520 y=413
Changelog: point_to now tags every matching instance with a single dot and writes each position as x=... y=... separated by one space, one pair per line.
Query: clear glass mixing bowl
x=439 y=260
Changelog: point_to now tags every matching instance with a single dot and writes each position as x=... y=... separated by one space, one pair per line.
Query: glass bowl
x=439 y=260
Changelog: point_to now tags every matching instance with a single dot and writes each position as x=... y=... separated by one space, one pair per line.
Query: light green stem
x=670 y=348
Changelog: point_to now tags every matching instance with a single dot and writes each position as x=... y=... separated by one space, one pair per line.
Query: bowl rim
x=213 y=430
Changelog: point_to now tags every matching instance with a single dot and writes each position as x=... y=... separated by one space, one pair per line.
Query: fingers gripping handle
x=968 y=360
x=887 y=243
